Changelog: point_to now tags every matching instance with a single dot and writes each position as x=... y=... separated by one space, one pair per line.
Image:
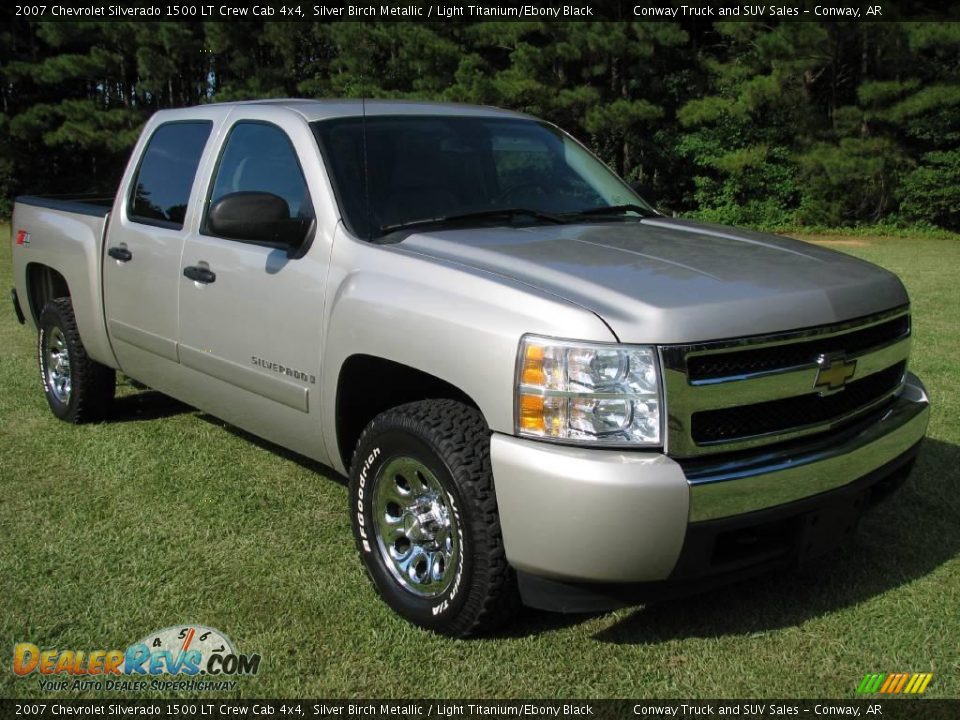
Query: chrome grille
x=725 y=424
x=778 y=357
x=734 y=394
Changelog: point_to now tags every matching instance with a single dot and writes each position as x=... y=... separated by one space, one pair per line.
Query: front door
x=250 y=313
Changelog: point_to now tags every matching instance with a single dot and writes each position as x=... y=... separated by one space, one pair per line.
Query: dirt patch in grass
x=835 y=240
x=850 y=243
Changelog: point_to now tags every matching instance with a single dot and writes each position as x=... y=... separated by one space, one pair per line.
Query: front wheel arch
x=368 y=385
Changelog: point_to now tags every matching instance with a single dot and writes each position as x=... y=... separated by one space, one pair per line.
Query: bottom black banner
x=881 y=709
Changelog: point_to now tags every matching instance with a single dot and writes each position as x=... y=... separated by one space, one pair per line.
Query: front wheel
x=77 y=388
x=425 y=518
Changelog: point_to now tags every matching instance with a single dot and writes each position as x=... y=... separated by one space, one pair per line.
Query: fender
x=457 y=323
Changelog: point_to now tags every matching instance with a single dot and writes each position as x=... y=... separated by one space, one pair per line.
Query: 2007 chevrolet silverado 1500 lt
x=541 y=388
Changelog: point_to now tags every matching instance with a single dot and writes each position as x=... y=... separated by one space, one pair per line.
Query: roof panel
x=325 y=109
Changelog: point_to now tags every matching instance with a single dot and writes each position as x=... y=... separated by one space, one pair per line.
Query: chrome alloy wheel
x=58 y=365
x=416 y=528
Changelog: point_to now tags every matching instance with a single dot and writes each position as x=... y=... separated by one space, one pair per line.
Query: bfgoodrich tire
x=78 y=389
x=425 y=518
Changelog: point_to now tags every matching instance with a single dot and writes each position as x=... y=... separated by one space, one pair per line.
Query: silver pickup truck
x=541 y=388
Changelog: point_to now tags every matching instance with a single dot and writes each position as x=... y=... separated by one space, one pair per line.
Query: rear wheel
x=77 y=388
x=425 y=518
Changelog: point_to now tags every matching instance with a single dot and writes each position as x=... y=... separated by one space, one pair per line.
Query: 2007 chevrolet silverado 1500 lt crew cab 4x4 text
x=541 y=388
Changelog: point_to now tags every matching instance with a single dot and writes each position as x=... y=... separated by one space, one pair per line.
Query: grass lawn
x=164 y=516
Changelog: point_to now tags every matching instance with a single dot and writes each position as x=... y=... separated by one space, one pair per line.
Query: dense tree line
x=818 y=123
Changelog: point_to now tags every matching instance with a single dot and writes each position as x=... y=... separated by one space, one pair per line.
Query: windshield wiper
x=505 y=213
x=613 y=210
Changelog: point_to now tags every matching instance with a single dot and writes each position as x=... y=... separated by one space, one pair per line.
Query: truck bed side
x=59 y=241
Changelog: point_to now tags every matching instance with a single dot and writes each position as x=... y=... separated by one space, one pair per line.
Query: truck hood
x=663 y=280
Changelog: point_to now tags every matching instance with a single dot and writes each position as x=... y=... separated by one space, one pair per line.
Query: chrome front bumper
x=764 y=480
x=610 y=516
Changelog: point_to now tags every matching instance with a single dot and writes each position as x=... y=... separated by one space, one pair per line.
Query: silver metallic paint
x=589 y=514
x=653 y=280
x=458 y=323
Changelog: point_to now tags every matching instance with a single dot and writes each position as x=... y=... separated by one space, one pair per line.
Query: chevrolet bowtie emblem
x=834 y=372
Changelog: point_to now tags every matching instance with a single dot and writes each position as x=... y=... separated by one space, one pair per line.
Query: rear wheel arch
x=43 y=285
x=368 y=385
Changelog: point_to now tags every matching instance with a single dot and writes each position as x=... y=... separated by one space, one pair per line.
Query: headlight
x=588 y=393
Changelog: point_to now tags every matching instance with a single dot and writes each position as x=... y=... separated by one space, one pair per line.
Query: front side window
x=259 y=158
x=391 y=171
x=168 y=167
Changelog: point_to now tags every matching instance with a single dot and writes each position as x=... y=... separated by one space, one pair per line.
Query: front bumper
x=603 y=516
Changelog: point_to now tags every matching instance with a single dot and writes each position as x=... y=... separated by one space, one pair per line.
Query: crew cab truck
x=541 y=388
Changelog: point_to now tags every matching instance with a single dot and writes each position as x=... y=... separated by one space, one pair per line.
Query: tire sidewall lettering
x=447 y=602
x=361 y=488
x=41 y=344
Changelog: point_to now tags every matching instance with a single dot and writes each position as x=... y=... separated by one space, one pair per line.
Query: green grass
x=164 y=516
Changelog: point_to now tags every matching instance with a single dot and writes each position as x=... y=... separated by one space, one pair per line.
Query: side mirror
x=259 y=217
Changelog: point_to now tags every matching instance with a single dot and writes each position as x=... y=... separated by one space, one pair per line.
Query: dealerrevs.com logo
x=187 y=651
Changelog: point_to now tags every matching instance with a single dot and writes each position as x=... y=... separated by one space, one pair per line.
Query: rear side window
x=161 y=187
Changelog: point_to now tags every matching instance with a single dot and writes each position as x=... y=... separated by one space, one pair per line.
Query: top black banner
x=485 y=11
x=411 y=709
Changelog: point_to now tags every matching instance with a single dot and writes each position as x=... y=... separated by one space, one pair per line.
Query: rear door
x=144 y=243
x=250 y=314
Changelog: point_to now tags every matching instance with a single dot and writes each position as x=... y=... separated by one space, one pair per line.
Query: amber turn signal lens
x=531 y=413
x=532 y=366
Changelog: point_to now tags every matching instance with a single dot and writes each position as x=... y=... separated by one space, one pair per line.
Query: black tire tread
x=462 y=438
x=93 y=384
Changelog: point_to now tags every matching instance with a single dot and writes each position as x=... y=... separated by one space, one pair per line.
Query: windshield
x=420 y=169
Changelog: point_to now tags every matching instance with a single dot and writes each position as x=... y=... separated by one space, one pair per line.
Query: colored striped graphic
x=894 y=683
